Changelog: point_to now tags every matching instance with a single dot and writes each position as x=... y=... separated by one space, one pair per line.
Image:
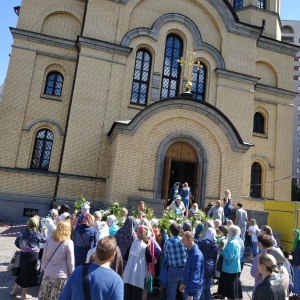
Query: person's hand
x=190 y=298
x=299 y=268
x=182 y=288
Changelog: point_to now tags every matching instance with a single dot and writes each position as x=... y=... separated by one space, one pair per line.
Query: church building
x=112 y=99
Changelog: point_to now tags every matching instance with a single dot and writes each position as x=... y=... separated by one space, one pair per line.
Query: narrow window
x=255 y=188
x=141 y=77
x=171 y=69
x=258 y=123
x=199 y=81
x=262 y=4
x=238 y=4
x=42 y=150
x=54 y=84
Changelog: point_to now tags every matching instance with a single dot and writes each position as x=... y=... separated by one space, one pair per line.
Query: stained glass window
x=54 y=84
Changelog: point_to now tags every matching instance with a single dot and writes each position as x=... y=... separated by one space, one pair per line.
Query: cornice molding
x=222 y=73
x=103 y=46
x=42 y=38
x=274 y=91
x=278 y=46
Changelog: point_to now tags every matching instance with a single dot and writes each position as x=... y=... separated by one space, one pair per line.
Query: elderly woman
x=229 y=283
x=28 y=242
x=126 y=235
x=84 y=239
x=270 y=287
x=58 y=262
x=209 y=249
x=193 y=211
x=177 y=206
x=296 y=260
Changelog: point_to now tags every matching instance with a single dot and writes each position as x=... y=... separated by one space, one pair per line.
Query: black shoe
x=218 y=297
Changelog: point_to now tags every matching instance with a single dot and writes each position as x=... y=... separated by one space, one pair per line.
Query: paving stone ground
x=7 y=249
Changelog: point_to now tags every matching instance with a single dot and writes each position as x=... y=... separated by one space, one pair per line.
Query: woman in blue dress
x=185 y=197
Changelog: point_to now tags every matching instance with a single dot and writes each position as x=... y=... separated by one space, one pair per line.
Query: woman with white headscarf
x=193 y=211
x=209 y=249
x=111 y=229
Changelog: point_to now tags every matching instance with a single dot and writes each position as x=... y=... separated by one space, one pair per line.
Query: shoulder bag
x=85 y=282
x=40 y=279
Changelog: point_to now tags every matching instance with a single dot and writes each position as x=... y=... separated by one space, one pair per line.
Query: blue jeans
x=296 y=280
x=195 y=297
x=254 y=249
x=206 y=295
x=174 y=279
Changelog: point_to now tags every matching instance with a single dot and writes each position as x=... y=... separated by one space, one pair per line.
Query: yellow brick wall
x=102 y=95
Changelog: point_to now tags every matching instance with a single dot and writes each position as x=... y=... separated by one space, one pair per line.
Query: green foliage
x=79 y=202
x=148 y=211
x=115 y=210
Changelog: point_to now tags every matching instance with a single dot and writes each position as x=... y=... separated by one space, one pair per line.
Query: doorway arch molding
x=202 y=155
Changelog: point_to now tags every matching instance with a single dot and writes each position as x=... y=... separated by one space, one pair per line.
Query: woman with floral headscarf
x=296 y=260
x=28 y=242
x=84 y=239
x=126 y=235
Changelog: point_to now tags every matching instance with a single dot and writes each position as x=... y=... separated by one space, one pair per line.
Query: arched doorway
x=182 y=165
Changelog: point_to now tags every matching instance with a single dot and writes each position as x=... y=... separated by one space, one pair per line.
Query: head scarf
x=195 y=210
x=126 y=235
x=33 y=223
x=53 y=212
x=199 y=229
x=111 y=220
x=210 y=234
x=140 y=229
x=297 y=239
x=85 y=208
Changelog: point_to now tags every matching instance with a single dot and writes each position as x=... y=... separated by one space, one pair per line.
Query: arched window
x=259 y=123
x=199 y=81
x=171 y=69
x=42 y=150
x=237 y=4
x=141 y=77
x=262 y=4
x=54 y=84
x=255 y=188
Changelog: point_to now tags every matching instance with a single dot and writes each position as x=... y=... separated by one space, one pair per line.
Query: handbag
x=40 y=278
x=14 y=265
x=220 y=263
x=85 y=282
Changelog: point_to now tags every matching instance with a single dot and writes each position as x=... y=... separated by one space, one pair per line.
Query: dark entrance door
x=183 y=172
x=181 y=164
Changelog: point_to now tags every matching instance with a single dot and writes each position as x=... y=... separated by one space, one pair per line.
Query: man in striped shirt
x=175 y=253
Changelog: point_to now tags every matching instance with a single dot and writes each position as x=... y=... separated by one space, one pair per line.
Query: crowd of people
x=88 y=258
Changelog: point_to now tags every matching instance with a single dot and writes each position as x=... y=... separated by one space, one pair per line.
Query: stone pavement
x=7 y=249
